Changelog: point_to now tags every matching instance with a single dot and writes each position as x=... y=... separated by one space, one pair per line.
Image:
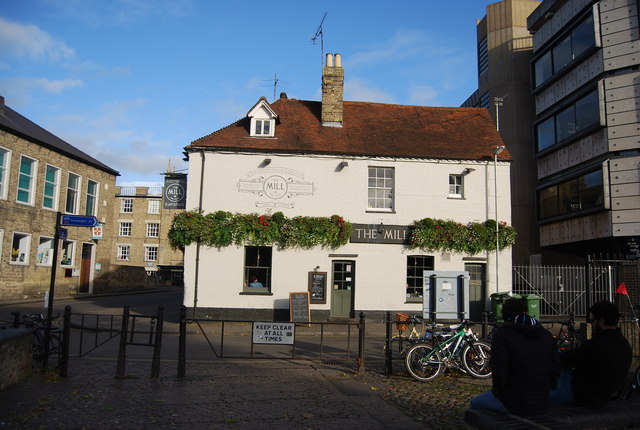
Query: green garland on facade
x=221 y=229
x=445 y=235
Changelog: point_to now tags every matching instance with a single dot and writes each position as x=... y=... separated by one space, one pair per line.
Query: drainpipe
x=195 y=287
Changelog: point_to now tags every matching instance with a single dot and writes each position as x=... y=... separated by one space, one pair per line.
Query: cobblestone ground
x=235 y=394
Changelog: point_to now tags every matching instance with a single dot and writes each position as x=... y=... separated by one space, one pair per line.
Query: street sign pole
x=52 y=287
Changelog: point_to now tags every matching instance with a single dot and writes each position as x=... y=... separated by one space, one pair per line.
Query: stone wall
x=15 y=356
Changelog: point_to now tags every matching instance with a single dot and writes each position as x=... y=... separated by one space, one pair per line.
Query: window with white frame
x=257 y=268
x=153 y=207
x=456 y=186
x=263 y=127
x=51 y=187
x=150 y=253
x=5 y=160
x=381 y=188
x=124 y=228
x=73 y=193
x=153 y=229
x=68 y=253
x=126 y=206
x=1 y=243
x=45 y=251
x=123 y=252
x=26 y=180
x=416 y=265
x=20 y=248
x=91 y=205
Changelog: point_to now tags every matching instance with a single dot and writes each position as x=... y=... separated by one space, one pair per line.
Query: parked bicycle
x=568 y=338
x=461 y=350
x=37 y=322
x=422 y=330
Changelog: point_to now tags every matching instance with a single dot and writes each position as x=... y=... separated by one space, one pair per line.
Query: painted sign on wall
x=380 y=233
x=175 y=191
x=276 y=187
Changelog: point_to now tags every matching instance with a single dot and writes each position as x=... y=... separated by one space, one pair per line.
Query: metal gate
x=572 y=289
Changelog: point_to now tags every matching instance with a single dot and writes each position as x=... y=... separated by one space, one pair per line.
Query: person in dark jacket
x=599 y=366
x=524 y=364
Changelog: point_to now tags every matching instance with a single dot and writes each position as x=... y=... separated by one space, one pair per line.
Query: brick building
x=41 y=175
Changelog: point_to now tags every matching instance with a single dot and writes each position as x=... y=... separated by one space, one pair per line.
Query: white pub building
x=379 y=167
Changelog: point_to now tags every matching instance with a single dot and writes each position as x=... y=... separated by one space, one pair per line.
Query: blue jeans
x=563 y=393
x=487 y=400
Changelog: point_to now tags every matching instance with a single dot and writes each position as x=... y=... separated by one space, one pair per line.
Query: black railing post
x=182 y=343
x=361 y=343
x=485 y=322
x=122 y=352
x=387 y=353
x=16 y=319
x=66 y=338
x=157 y=345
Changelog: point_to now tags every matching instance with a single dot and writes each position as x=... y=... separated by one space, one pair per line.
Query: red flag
x=622 y=289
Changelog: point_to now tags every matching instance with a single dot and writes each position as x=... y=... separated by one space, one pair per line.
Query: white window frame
x=151 y=230
x=456 y=189
x=148 y=252
x=258 y=125
x=65 y=247
x=377 y=184
x=56 y=187
x=123 y=250
x=5 y=169
x=151 y=206
x=91 y=211
x=33 y=175
x=44 y=257
x=123 y=226
x=23 y=250
x=1 y=243
x=126 y=206
x=76 y=195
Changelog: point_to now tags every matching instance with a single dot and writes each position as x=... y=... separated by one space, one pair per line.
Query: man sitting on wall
x=524 y=364
x=595 y=370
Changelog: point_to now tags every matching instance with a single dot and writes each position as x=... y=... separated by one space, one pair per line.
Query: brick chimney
x=332 y=92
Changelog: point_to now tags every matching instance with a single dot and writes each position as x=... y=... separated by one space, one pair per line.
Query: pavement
x=235 y=394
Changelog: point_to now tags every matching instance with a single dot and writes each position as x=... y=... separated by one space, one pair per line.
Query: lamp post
x=497 y=151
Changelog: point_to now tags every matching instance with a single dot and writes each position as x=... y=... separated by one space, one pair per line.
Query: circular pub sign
x=275 y=187
x=174 y=193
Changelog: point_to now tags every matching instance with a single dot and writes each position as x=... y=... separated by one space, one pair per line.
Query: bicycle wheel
x=475 y=359
x=638 y=377
x=423 y=362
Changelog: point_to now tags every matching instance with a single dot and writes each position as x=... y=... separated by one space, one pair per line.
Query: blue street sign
x=63 y=233
x=79 y=221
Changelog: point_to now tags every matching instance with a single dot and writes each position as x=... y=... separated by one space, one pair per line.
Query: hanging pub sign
x=175 y=191
x=380 y=233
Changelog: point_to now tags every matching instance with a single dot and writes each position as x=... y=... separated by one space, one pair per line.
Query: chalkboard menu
x=299 y=307
x=318 y=287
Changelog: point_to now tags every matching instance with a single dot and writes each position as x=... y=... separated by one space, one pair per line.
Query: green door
x=477 y=290
x=342 y=289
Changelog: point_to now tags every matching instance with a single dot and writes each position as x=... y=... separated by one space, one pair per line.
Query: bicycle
x=462 y=350
x=37 y=322
x=568 y=338
x=403 y=321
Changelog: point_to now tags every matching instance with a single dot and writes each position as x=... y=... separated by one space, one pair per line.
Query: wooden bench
x=618 y=414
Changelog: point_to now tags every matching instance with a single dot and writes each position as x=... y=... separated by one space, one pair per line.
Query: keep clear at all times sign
x=273 y=333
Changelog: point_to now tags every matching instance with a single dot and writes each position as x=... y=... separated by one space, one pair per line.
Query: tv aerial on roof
x=319 y=34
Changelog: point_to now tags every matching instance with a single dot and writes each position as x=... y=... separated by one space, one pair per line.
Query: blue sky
x=132 y=82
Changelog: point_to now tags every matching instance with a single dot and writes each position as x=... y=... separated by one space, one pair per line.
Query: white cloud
x=358 y=90
x=29 y=41
x=423 y=96
x=53 y=86
x=402 y=44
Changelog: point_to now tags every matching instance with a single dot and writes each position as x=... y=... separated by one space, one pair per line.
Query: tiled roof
x=369 y=129
x=12 y=122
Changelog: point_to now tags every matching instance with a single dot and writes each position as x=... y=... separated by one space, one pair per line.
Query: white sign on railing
x=274 y=333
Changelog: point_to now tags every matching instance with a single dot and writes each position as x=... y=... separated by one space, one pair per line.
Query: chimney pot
x=338 y=60
x=329 y=60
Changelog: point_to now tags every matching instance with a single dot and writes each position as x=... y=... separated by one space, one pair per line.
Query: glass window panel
x=569 y=200
x=545 y=133
x=565 y=124
x=587 y=111
x=548 y=202
x=45 y=251
x=543 y=69
x=562 y=54
x=92 y=194
x=583 y=37
x=73 y=184
x=26 y=178
x=267 y=127
x=591 y=190
x=4 y=167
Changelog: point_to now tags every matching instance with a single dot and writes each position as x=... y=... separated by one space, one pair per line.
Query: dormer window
x=263 y=119
x=263 y=127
